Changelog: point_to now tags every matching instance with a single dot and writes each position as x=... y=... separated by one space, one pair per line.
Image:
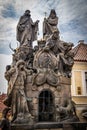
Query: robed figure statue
x=50 y=24
x=27 y=29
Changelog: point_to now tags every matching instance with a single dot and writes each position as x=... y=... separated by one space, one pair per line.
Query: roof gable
x=80 y=52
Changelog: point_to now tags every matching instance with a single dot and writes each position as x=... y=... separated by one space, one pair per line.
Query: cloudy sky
x=72 y=24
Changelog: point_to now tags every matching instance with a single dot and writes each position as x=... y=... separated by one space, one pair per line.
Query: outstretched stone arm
x=9 y=73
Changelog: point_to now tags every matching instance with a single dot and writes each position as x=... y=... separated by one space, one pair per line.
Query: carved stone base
x=51 y=126
x=21 y=127
x=67 y=127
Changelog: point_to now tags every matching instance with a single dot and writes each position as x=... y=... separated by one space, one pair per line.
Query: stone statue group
x=51 y=58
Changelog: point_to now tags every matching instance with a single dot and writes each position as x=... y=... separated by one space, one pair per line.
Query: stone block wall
x=59 y=93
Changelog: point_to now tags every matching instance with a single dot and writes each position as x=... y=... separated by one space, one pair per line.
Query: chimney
x=81 y=41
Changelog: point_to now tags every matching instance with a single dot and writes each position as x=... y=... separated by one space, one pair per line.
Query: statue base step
x=51 y=126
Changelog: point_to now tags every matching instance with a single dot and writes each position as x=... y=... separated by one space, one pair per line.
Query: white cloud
x=7 y=27
x=68 y=36
x=4 y=60
x=66 y=10
x=69 y=10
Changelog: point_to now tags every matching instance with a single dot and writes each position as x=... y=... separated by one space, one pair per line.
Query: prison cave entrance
x=46 y=106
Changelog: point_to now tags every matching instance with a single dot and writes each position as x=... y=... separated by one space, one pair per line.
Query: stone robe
x=26 y=29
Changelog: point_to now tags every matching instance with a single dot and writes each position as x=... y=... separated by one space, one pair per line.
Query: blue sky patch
x=9 y=11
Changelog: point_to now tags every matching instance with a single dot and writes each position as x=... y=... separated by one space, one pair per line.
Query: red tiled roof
x=2 y=97
x=2 y=106
x=80 y=52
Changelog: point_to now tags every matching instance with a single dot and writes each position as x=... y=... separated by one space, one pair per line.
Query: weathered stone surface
x=35 y=100
x=39 y=78
x=57 y=100
x=29 y=93
x=57 y=129
x=51 y=126
x=40 y=88
x=35 y=94
x=65 y=80
x=66 y=91
x=67 y=127
x=52 y=89
x=46 y=86
x=50 y=24
x=22 y=127
x=56 y=94
x=26 y=29
x=28 y=87
x=29 y=79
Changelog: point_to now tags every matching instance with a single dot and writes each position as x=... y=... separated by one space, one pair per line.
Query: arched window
x=46 y=106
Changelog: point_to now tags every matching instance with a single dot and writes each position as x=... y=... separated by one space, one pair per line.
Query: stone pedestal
x=22 y=127
x=67 y=127
x=51 y=126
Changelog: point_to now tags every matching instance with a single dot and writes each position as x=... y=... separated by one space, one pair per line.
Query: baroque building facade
x=79 y=76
